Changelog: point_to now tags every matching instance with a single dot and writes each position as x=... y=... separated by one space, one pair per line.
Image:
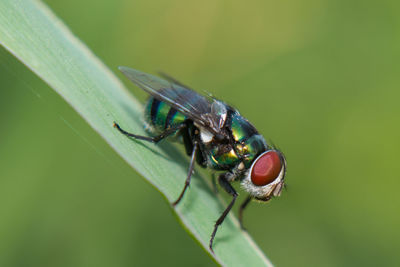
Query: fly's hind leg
x=154 y=139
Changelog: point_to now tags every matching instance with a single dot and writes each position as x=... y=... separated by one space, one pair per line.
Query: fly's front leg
x=154 y=139
x=230 y=190
x=190 y=172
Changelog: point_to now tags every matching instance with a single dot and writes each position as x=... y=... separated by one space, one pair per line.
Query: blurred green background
x=319 y=78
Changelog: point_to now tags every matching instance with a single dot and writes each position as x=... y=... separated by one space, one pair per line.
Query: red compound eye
x=266 y=168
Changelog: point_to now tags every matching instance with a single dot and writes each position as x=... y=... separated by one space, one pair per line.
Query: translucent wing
x=205 y=112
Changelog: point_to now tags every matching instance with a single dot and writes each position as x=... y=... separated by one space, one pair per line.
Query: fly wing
x=195 y=106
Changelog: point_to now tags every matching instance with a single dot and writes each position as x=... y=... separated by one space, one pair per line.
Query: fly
x=215 y=136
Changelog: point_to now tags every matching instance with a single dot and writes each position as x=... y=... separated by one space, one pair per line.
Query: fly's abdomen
x=159 y=116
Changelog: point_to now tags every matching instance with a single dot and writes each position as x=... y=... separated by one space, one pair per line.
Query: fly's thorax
x=242 y=145
x=158 y=116
x=250 y=148
x=221 y=157
x=248 y=142
x=218 y=155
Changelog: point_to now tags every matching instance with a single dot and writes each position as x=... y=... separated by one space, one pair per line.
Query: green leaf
x=33 y=34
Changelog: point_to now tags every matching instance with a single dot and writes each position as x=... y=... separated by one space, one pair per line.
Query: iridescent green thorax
x=248 y=142
x=251 y=148
x=246 y=146
x=222 y=157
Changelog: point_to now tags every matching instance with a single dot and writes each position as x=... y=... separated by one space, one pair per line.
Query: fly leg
x=190 y=172
x=158 y=138
x=230 y=190
x=241 y=209
x=154 y=139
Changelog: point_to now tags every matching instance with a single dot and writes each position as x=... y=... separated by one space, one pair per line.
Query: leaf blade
x=32 y=33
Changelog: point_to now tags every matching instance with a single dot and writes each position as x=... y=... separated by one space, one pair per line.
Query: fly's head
x=265 y=178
